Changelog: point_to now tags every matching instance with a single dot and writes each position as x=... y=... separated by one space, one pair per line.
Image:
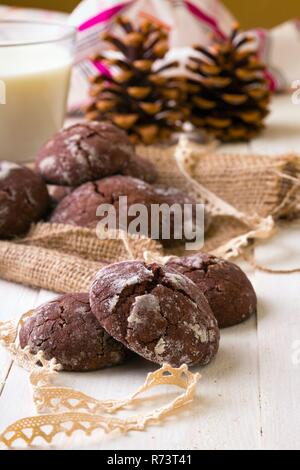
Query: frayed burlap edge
x=65 y=259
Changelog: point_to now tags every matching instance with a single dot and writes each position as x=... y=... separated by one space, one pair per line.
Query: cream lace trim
x=68 y=410
x=260 y=228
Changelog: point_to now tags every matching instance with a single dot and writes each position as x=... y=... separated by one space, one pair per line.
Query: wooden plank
x=279 y=341
x=278 y=327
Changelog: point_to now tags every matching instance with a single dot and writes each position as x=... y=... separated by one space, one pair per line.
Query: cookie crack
x=85 y=154
x=157 y=280
x=100 y=193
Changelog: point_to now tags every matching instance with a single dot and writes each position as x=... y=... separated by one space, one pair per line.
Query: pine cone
x=136 y=96
x=230 y=96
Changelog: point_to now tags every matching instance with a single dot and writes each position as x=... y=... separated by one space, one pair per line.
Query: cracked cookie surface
x=88 y=151
x=23 y=199
x=156 y=312
x=65 y=329
x=229 y=292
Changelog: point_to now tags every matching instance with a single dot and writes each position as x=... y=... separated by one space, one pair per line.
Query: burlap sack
x=245 y=194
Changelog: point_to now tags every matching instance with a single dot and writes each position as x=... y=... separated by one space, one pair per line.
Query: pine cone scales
x=137 y=97
x=230 y=96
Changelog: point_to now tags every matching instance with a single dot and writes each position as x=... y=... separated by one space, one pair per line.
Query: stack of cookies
x=93 y=164
x=151 y=310
x=85 y=166
x=169 y=313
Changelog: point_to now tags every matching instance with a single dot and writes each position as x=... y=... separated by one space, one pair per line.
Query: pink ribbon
x=200 y=14
x=102 y=17
x=205 y=18
x=106 y=15
x=102 y=68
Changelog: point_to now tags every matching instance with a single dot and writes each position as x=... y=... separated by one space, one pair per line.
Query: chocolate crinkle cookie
x=65 y=329
x=156 y=312
x=89 y=151
x=229 y=292
x=80 y=207
x=23 y=199
x=142 y=169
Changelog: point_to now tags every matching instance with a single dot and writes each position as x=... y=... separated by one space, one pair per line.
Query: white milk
x=35 y=80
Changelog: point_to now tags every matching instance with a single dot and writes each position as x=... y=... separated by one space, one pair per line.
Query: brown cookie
x=156 y=312
x=23 y=199
x=80 y=207
x=142 y=169
x=65 y=329
x=89 y=151
x=229 y=292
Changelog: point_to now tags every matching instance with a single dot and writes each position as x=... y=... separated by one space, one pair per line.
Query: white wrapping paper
x=189 y=22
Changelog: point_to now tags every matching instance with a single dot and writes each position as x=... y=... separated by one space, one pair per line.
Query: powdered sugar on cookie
x=159 y=314
x=142 y=305
x=6 y=168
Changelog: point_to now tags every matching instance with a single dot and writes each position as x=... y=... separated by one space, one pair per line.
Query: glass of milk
x=35 y=67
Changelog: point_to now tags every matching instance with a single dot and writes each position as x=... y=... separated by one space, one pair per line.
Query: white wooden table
x=249 y=397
